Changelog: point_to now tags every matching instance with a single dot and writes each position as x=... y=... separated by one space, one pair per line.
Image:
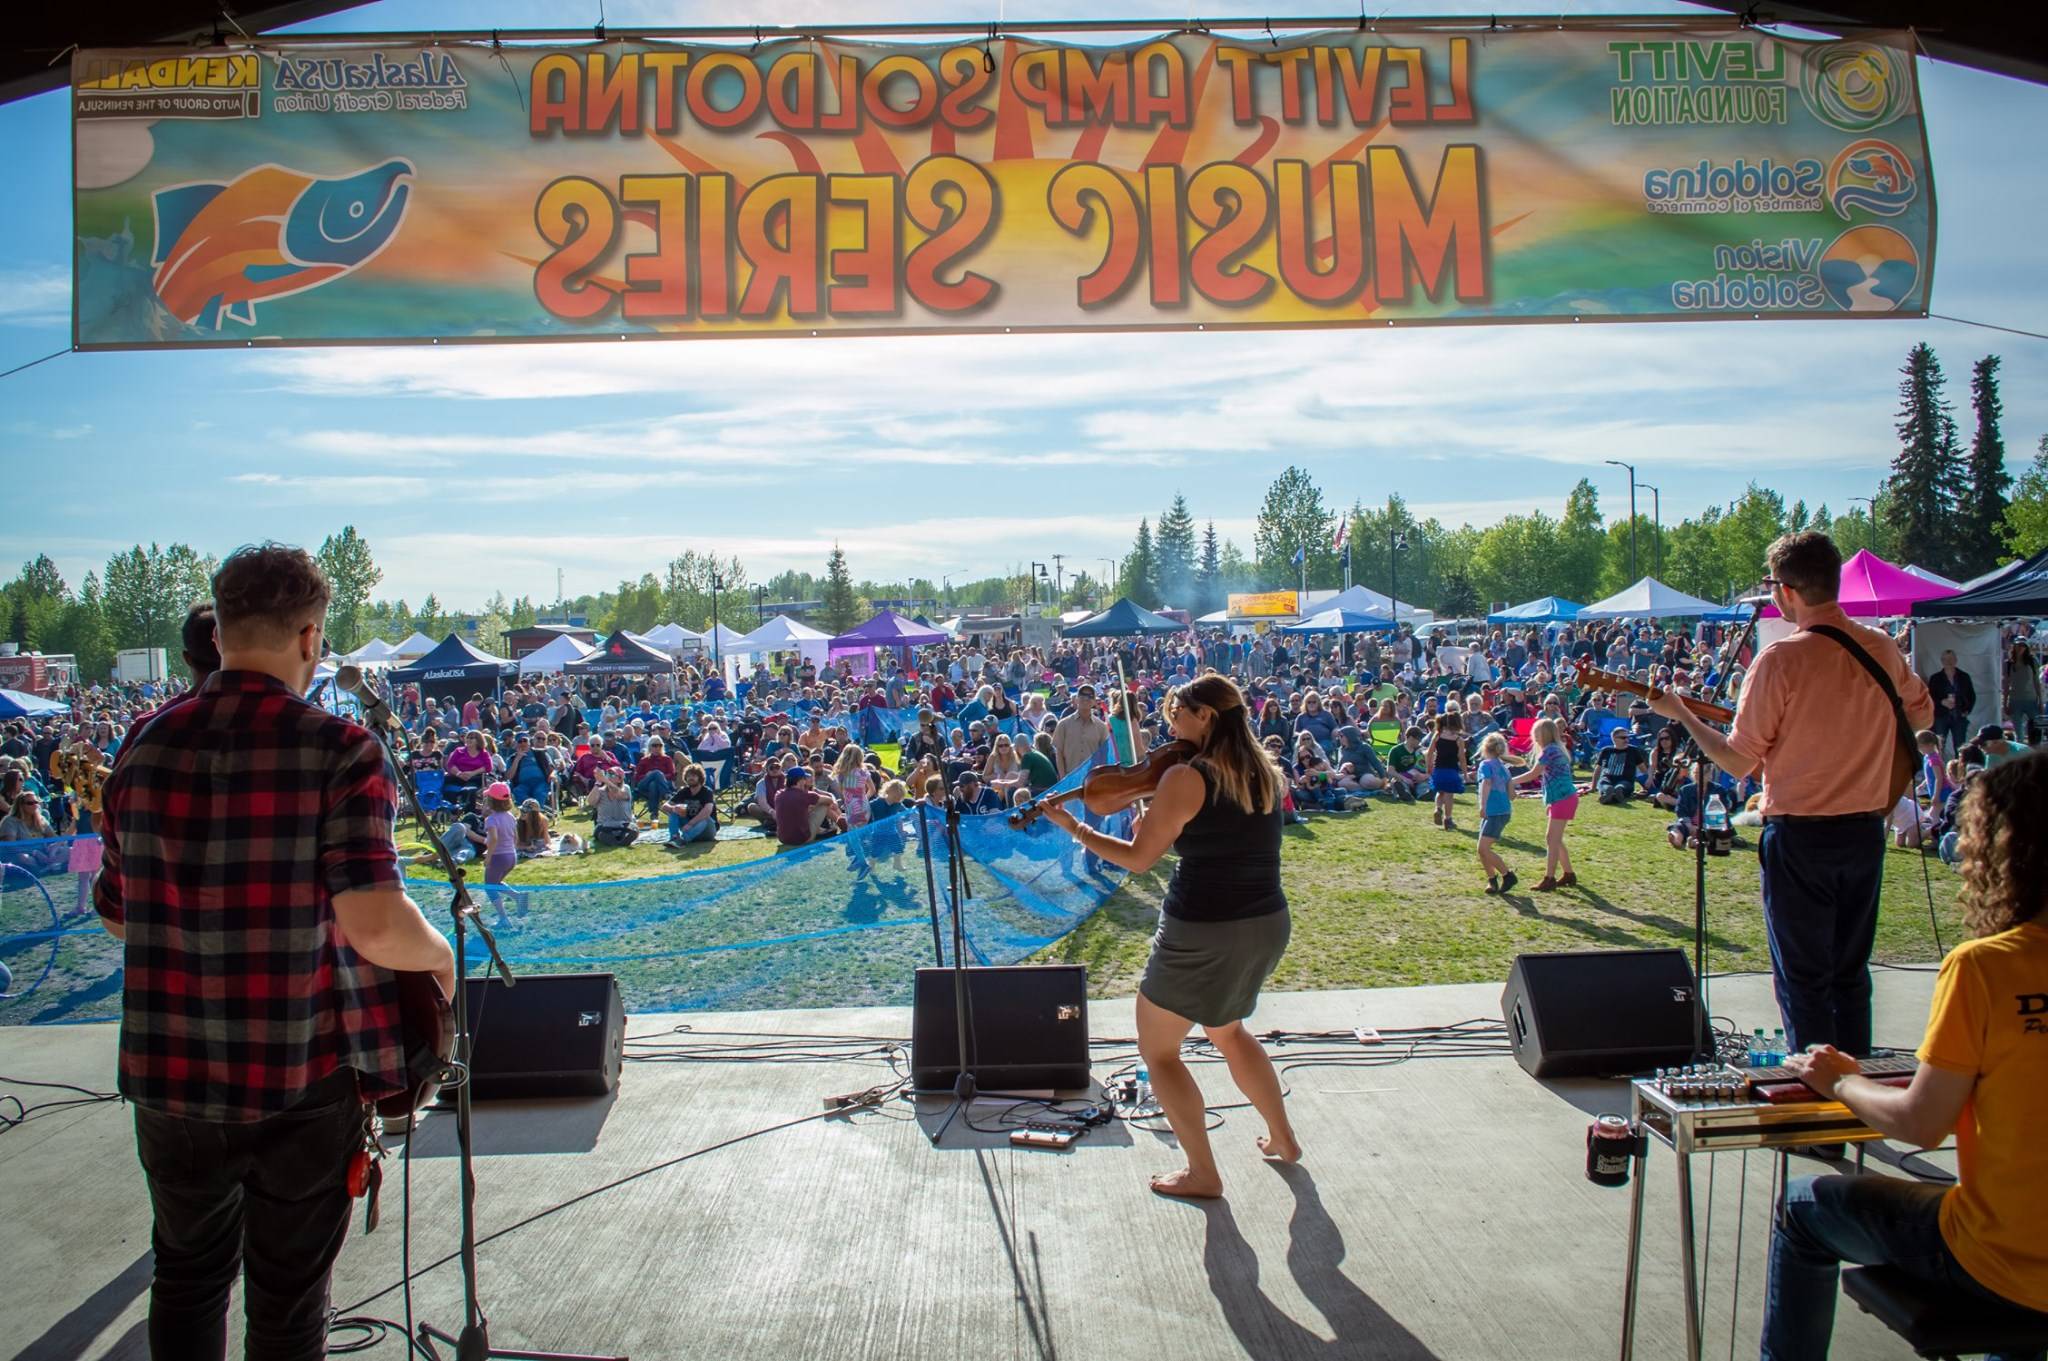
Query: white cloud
x=35 y=296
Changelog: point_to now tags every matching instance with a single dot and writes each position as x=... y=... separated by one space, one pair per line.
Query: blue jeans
x=1820 y=882
x=1869 y=1220
x=678 y=834
x=654 y=788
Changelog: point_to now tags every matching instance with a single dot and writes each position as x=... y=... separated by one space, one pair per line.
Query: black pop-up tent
x=455 y=667
x=2020 y=589
x=622 y=654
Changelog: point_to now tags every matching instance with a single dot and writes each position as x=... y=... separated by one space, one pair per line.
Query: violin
x=1106 y=789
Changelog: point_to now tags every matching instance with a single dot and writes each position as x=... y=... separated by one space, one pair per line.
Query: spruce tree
x=1174 y=552
x=841 y=610
x=1209 y=577
x=1920 y=495
x=1980 y=520
x=1140 y=579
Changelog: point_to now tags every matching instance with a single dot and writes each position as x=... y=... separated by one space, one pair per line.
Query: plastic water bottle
x=1759 y=1050
x=1778 y=1054
x=1717 y=814
x=1144 y=1097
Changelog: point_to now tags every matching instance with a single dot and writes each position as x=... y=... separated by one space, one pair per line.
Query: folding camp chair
x=432 y=811
x=1384 y=734
x=1519 y=742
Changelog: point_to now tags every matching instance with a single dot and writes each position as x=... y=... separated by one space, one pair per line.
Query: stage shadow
x=69 y=1336
x=1360 y=1328
x=987 y=1112
x=565 y=1125
x=1027 y=1278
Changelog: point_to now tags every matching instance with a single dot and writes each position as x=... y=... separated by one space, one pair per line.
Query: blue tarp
x=842 y=922
x=1551 y=609
x=20 y=704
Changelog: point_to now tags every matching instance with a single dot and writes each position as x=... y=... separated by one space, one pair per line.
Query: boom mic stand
x=474 y=1343
x=958 y=890
x=1703 y=1045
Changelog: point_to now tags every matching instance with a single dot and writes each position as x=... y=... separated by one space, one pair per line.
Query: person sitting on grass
x=1615 y=767
x=971 y=797
x=1405 y=763
x=1311 y=776
x=611 y=809
x=1359 y=768
x=1040 y=762
x=1685 y=807
x=1983 y=1071
x=1496 y=806
x=802 y=814
x=692 y=810
x=1662 y=777
x=535 y=833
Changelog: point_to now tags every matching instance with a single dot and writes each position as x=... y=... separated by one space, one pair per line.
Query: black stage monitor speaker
x=1589 y=1013
x=1029 y=1028
x=559 y=1034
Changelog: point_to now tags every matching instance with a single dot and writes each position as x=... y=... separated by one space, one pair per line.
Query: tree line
x=1947 y=505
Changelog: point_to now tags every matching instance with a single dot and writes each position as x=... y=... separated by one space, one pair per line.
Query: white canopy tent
x=1648 y=599
x=417 y=645
x=1935 y=577
x=783 y=634
x=673 y=639
x=373 y=653
x=1365 y=600
x=550 y=659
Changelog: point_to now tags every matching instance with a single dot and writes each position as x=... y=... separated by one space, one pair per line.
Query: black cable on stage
x=25 y=1111
x=594 y=1191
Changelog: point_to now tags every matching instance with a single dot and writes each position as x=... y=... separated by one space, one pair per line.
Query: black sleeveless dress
x=1224 y=923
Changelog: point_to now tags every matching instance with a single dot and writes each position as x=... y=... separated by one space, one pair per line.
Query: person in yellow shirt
x=1983 y=1075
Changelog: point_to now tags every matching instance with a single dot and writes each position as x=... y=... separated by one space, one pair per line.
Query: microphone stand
x=473 y=1344
x=1702 y=1042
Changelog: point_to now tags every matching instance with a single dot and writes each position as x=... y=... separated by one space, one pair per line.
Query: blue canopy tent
x=21 y=704
x=1125 y=619
x=1551 y=609
x=1341 y=621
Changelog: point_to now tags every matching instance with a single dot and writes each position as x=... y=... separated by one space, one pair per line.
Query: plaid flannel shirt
x=231 y=821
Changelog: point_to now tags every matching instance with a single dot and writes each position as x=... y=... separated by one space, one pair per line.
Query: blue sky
x=484 y=468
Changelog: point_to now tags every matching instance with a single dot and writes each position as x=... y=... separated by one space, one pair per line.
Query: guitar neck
x=1608 y=680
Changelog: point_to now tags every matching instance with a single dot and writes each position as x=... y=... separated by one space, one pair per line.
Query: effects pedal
x=1040 y=1138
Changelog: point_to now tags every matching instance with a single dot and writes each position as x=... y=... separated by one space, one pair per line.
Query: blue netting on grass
x=842 y=922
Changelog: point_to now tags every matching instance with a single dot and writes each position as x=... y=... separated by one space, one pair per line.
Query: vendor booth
x=1125 y=619
x=455 y=669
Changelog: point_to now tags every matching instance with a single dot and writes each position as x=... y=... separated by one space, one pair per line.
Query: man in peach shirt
x=1822 y=728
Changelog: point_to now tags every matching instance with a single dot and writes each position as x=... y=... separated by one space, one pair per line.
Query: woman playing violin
x=1223 y=925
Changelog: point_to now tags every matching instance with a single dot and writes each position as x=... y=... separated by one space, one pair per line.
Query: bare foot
x=1276 y=1149
x=1187 y=1186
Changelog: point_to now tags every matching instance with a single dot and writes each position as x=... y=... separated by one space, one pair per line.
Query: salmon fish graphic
x=222 y=248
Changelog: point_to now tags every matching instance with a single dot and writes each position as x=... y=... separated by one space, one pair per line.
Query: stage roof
x=2009 y=39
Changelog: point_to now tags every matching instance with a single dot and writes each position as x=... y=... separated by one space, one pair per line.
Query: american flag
x=1343 y=534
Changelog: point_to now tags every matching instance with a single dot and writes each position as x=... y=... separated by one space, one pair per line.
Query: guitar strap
x=1884 y=682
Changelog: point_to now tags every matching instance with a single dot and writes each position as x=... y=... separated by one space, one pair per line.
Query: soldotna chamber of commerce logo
x=1869 y=269
x=1873 y=176
x=1857 y=87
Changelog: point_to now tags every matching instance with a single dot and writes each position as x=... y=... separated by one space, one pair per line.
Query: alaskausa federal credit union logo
x=1873 y=176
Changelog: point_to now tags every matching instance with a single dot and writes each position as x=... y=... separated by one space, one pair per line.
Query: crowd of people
x=803 y=750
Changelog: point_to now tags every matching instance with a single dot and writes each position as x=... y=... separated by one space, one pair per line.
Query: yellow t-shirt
x=1990 y=1018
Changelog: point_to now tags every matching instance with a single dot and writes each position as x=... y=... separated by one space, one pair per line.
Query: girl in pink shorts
x=1553 y=769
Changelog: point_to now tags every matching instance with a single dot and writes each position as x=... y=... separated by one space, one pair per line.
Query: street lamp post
x=1631 y=514
x=1109 y=582
x=1656 y=528
x=1870 y=501
x=760 y=606
x=717 y=585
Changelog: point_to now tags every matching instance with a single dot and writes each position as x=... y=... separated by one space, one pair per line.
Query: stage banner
x=453 y=192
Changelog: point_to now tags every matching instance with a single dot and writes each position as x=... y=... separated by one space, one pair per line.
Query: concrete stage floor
x=1441 y=1212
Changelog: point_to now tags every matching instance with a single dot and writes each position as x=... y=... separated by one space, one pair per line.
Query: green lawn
x=1384 y=898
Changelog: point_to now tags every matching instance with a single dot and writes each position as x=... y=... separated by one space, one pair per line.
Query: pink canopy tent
x=1874 y=588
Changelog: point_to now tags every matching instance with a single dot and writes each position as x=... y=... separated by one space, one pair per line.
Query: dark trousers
x=1821 y=882
x=1951 y=726
x=267 y=1200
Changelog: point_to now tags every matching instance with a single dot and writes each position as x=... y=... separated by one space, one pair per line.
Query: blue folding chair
x=429 y=784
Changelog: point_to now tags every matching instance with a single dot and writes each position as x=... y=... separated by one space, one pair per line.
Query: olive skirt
x=1211 y=972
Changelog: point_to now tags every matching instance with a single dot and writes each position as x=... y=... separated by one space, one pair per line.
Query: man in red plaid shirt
x=251 y=871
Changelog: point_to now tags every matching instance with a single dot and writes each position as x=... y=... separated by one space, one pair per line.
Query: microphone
x=376 y=713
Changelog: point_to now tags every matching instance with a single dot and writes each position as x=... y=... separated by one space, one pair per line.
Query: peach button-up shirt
x=1818 y=724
